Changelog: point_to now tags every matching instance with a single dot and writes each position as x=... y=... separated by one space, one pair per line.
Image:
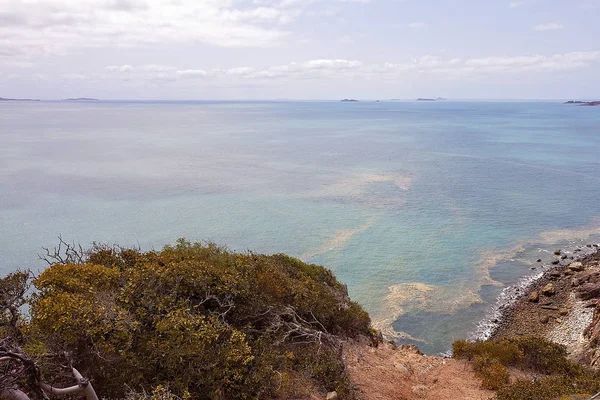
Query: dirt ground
x=402 y=373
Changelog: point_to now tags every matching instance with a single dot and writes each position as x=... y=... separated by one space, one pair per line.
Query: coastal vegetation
x=193 y=320
x=197 y=321
x=551 y=373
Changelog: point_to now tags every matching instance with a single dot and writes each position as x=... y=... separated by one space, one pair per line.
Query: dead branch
x=64 y=253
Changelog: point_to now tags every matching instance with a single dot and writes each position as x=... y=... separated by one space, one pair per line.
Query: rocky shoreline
x=561 y=304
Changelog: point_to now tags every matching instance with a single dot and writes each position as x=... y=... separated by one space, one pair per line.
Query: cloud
x=515 y=4
x=191 y=74
x=120 y=68
x=416 y=25
x=57 y=27
x=552 y=26
x=46 y=27
x=340 y=69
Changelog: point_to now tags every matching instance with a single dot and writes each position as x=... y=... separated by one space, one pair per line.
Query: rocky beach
x=561 y=305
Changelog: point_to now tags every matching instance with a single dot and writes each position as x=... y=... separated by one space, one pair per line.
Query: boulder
x=576 y=266
x=557 y=252
x=332 y=396
x=589 y=291
x=539 y=260
x=555 y=274
x=563 y=311
x=544 y=319
x=548 y=290
x=534 y=297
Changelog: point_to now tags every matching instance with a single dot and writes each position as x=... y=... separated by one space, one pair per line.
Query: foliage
x=192 y=320
x=12 y=297
x=560 y=376
x=552 y=387
x=494 y=374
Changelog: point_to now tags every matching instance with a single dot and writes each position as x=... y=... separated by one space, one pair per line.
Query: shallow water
x=424 y=209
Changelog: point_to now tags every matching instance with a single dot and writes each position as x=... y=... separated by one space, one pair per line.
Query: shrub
x=562 y=376
x=494 y=375
x=197 y=319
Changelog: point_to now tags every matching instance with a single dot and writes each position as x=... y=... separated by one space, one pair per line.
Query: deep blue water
x=424 y=209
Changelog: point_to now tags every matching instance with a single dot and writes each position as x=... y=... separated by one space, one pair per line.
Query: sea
x=427 y=211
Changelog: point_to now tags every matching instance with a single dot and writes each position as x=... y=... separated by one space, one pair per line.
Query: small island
x=5 y=99
x=81 y=99
x=583 y=103
x=349 y=101
x=425 y=99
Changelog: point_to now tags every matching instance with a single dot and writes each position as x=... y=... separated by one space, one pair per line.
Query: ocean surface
x=426 y=210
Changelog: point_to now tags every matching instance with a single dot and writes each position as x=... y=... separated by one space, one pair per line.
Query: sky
x=300 y=49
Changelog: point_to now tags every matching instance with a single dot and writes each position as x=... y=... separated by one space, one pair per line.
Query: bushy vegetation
x=555 y=374
x=190 y=321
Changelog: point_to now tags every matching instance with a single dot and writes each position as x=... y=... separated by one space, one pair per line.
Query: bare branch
x=64 y=253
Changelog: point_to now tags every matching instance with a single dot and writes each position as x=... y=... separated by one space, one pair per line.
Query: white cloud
x=416 y=25
x=452 y=68
x=120 y=68
x=515 y=4
x=552 y=26
x=33 y=28
x=191 y=73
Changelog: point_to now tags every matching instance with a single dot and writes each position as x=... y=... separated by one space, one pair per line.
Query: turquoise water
x=425 y=210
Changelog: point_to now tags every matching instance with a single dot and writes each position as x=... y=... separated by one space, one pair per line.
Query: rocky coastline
x=562 y=304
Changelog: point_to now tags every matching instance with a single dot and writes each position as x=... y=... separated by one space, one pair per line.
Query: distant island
x=81 y=99
x=349 y=100
x=5 y=99
x=422 y=99
x=583 y=103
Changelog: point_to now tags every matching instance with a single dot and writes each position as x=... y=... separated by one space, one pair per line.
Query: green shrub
x=494 y=375
x=505 y=351
x=197 y=319
x=551 y=387
x=560 y=375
